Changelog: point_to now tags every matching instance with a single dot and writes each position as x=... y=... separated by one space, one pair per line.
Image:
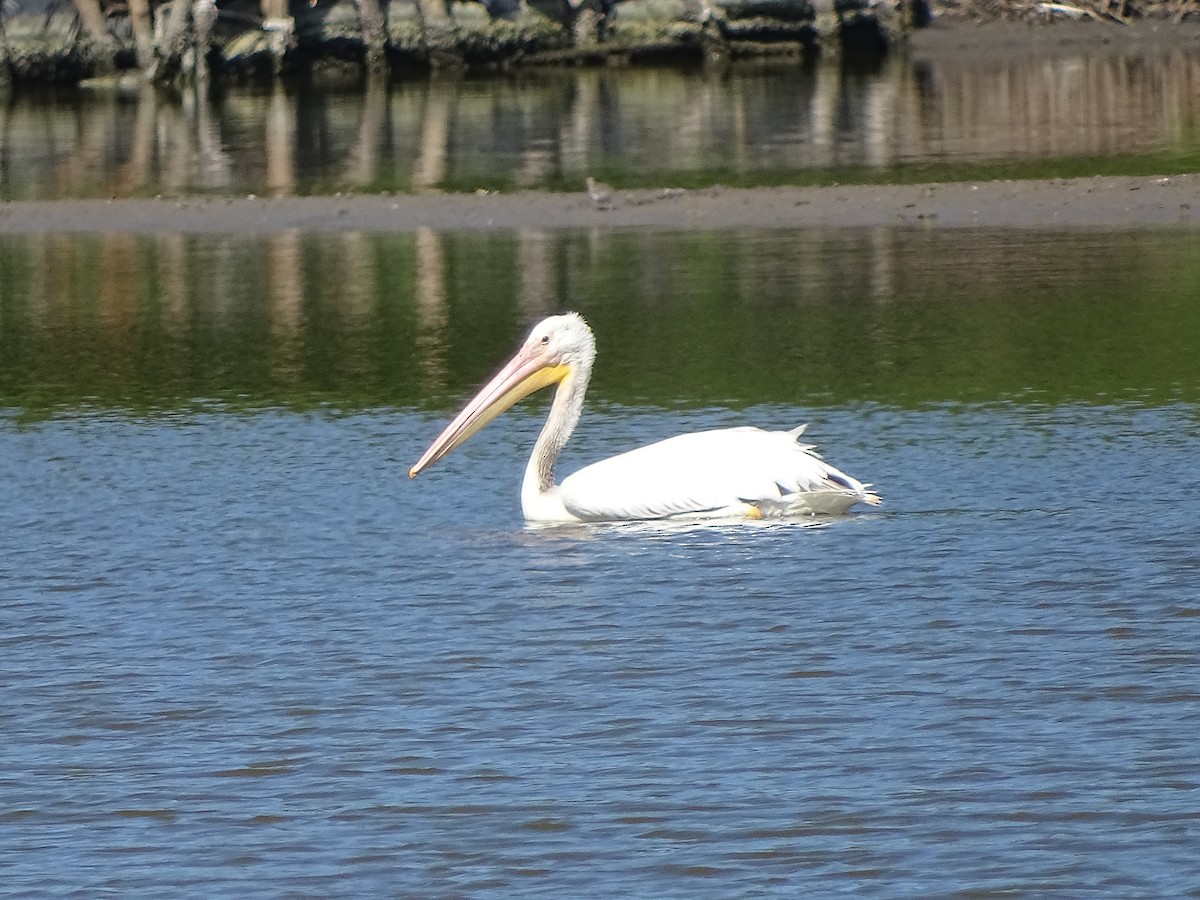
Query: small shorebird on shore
x=599 y=193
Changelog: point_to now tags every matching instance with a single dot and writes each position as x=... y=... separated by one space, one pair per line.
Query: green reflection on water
x=890 y=315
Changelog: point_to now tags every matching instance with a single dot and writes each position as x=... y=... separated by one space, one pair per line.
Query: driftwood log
x=175 y=40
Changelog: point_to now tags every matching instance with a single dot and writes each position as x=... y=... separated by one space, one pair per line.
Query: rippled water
x=243 y=653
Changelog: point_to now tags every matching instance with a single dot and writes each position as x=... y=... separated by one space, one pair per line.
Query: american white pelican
x=727 y=473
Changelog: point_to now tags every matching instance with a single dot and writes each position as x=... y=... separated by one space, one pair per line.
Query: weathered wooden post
x=5 y=75
x=437 y=29
x=204 y=15
x=713 y=40
x=280 y=29
x=372 y=19
x=101 y=46
x=587 y=19
x=583 y=20
x=143 y=33
x=171 y=39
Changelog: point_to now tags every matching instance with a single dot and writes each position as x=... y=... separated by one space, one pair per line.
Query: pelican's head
x=564 y=340
x=555 y=350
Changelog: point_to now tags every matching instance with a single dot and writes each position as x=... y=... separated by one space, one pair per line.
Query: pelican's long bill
x=528 y=371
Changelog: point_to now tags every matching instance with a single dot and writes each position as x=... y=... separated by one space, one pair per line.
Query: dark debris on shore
x=1119 y=12
x=175 y=41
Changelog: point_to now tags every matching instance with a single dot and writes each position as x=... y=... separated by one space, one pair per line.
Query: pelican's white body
x=727 y=473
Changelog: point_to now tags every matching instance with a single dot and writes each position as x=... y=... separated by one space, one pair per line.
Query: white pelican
x=727 y=473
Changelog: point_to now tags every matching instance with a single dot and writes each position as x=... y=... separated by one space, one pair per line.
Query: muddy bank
x=1104 y=202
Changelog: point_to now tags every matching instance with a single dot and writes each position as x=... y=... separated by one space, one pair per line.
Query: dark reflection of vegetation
x=1133 y=112
x=895 y=316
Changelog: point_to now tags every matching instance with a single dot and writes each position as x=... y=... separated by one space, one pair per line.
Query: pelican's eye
x=545 y=339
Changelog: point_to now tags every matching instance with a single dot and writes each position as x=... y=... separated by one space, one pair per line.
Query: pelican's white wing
x=728 y=472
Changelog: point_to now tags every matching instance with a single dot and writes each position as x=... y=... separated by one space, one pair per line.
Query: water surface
x=900 y=316
x=242 y=653
x=928 y=118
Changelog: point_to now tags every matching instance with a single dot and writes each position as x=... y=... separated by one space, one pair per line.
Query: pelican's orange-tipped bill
x=527 y=372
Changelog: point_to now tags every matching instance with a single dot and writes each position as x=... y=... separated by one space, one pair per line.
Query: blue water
x=242 y=655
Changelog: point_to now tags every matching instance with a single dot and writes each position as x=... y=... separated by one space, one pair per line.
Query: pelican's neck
x=538 y=486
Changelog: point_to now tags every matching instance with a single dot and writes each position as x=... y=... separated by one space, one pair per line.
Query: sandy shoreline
x=1100 y=202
